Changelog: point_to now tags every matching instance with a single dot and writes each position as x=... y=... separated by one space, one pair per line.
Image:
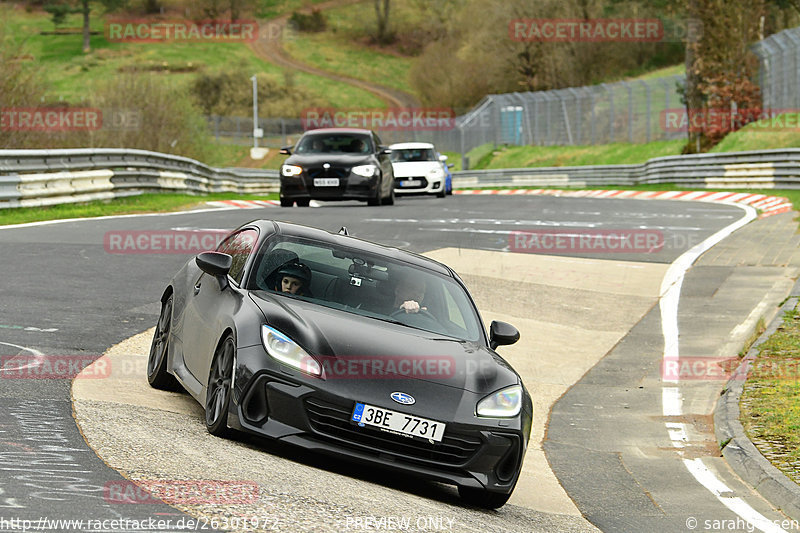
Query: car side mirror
x=385 y=151
x=286 y=150
x=215 y=264
x=501 y=334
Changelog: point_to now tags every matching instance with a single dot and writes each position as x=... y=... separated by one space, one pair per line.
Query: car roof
x=338 y=130
x=316 y=234
x=409 y=146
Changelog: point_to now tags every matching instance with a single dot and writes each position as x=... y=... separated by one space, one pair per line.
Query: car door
x=208 y=308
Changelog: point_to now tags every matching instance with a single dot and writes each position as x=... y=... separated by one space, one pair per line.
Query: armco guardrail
x=47 y=177
x=766 y=169
x=32 y=178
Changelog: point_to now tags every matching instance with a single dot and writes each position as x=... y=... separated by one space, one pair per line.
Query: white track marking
x=671 y=398
x=38 y=356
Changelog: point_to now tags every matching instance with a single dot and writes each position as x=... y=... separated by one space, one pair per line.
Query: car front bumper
x=350 y=187
x=294 y=408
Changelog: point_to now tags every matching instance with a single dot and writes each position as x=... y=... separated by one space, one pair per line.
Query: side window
x=239 y=246
x=377 y=141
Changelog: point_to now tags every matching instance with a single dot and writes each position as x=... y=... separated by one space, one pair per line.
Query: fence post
x=649 y=111
x=630 y=111
x=610 y=111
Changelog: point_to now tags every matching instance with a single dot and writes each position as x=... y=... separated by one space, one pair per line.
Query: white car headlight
x=285 y=350
x=291 y=170
x=505 y=403
x=365 y=170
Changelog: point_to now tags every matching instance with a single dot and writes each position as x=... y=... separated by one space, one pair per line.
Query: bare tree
x=382 y=12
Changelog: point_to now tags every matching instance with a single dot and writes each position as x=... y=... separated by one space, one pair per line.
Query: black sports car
x=337 y=164
x=339 y=345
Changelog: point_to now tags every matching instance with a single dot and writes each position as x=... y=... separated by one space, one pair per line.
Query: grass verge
x=770 y=404
x=143 y=203
x=71 y=75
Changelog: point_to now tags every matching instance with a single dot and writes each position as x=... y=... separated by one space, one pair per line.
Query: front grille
x=334 y=421
x=328 y=173
x=399 y=183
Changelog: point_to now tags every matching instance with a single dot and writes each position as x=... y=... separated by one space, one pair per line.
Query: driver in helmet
x=294 y=278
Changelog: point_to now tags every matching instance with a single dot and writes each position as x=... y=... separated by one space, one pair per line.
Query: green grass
x=334 y=50
x=763 y=135
x=144 y=203
x=770 y=404
x=558 y=156
x=674 y=70
x=70 y=75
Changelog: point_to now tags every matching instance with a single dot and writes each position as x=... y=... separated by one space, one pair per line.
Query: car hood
x=414 y=168
x=354 y=347
x=339 y=160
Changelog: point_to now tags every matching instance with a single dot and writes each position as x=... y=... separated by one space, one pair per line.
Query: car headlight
x=365 y=170
x=291 y=170
x=505 y=403
x=285 y=350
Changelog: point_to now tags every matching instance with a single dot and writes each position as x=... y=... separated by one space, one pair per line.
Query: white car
x=418 y=169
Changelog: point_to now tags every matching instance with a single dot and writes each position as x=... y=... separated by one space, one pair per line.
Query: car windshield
x=333 y=143
x=367 y=285
x=413 y=154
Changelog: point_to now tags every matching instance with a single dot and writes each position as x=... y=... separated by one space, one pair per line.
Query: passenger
x=294 y=278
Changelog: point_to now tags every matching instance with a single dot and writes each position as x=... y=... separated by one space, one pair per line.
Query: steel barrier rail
x=31 y=178
x=47 y=177
x=765 y=169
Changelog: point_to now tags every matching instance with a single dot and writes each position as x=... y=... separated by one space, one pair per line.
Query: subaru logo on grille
x=326 y=166
x=402 y=397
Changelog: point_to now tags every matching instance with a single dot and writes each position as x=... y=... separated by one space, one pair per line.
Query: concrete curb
x=737 y=449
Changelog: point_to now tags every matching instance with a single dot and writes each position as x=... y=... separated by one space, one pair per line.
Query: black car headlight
x=288 y=352
x=291 y=170
x=505 y=403
x=366 y=171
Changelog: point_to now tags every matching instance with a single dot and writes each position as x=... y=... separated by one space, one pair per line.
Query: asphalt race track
x=592 y=330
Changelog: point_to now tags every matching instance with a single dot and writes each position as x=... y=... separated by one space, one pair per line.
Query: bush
x=143 y=111
x=230 y=93
x=315 y=22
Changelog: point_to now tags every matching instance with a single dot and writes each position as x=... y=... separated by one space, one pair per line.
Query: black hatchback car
x=337 y=164
x=379 y=356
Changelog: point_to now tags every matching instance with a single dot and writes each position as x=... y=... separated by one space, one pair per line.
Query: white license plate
x=326 y=182
x=369 y=415
x=411 y=183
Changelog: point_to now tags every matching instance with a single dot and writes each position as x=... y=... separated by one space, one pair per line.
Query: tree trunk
x=87 y=46
x=693 y=96
x=383 y=20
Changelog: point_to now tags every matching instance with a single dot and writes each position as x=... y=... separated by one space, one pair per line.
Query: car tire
x=157 y=375
x=483 y=498
x=441 y=194
x=220 y=379
x=286 y=202
x=304 y=202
